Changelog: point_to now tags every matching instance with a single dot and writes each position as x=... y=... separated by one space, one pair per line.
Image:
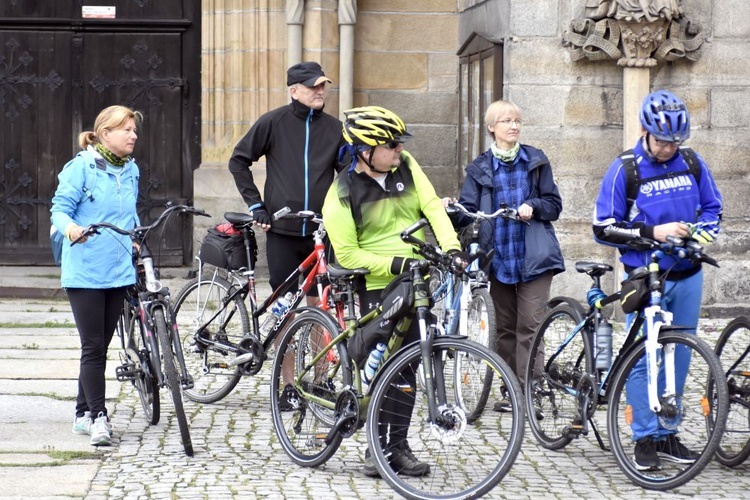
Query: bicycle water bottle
x=277 y=310
x=373 y=361
x=604 y=345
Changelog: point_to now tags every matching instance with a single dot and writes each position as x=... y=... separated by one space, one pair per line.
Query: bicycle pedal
x=573 y=431
x=126 y=372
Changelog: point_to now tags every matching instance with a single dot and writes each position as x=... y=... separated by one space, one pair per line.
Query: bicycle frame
x=655 y=319
x=314 y=271
x=420 y=312
x=151 y=295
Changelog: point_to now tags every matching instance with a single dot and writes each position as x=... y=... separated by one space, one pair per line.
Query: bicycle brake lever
x=281 y=213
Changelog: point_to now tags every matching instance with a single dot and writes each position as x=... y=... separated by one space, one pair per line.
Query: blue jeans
x=683 y=299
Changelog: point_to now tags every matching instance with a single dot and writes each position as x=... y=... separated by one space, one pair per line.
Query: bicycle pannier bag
x=634 y=291
x=224 y=246
x=397 y=302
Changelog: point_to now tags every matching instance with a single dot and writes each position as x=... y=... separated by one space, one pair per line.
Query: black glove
x=261 y=217
x=401 y=264
x=460 y=260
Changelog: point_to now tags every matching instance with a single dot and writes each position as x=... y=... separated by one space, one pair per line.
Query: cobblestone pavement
x=236 y=450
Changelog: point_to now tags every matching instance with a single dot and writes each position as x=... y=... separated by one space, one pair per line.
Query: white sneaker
x=82 y=425
x=101 y=431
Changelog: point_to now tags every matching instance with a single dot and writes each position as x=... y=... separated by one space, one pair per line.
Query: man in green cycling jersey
x=382 y=193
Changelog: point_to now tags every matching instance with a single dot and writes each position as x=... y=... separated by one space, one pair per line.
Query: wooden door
x=57 y=71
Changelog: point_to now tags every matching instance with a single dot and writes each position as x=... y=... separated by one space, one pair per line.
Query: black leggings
x=96 y=313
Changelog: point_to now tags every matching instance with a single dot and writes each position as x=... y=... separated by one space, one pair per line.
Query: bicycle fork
x=653 y=327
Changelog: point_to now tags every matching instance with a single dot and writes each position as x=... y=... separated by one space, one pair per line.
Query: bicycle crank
x=250 y=360
x=347 y=415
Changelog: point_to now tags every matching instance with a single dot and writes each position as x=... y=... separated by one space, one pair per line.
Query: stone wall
x=405 y=59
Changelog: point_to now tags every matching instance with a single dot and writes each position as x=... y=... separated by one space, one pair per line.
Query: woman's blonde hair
x=110 y=118
x=495 y=110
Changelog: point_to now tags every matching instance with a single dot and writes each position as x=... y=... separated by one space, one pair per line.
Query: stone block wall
x=405 y=59
x=574 y=111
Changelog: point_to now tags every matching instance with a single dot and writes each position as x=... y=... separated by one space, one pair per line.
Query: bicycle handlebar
x=504 y=212
x=682 y=248
x=431 y=252
x=286 y=213
x=139 y=233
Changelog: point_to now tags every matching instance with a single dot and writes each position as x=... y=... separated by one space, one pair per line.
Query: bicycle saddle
x=593 y=269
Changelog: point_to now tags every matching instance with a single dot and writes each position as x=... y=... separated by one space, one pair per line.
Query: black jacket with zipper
x=301 y=147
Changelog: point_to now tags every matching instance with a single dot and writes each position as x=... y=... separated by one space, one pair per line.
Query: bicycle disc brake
x=249 y=356
x=670 y=415
x=449 y=426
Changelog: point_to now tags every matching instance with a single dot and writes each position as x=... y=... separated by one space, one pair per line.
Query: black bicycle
x=569 y=376
x=733 y=349
x=151 y=356
x=466 y=459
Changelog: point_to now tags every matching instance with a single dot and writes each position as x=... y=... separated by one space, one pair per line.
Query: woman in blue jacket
x=526 y=256
x=99 y=185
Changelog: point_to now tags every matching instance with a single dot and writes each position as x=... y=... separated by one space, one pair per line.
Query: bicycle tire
x=465 y=460
x=475 y=379
x=325 y=372
x=438 y=292
x=733 y=349
x=196 y=302
x=691 y=409
x=552 y=387
x=303 y=434
x=144 y=381
x=172 y=378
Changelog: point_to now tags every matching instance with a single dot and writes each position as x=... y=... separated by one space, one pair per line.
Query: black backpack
x=634 y=180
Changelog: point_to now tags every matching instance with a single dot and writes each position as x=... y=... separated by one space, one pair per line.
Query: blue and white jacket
x=671 y=199
x=90 y=190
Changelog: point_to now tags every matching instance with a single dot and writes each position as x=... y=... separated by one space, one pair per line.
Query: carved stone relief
x=637 y=33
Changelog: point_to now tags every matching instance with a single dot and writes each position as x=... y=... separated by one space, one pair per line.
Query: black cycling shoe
x=289 y=399
x=369 y=469
x=646 y=457
x=672 y=450
x=404 y=462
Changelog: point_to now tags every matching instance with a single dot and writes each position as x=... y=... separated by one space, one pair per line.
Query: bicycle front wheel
x=684 y=442
x=305 y=395
x=460 y=460
x=558 y=376
x=207 y=326
x=137 y=357
x=733 y=349
x=172 y=379
x=475 y=378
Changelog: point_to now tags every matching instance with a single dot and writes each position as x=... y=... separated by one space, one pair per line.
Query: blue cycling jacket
x=89 y=192
x=675 y=198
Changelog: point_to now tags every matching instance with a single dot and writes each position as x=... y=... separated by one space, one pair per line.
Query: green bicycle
x=466 y=459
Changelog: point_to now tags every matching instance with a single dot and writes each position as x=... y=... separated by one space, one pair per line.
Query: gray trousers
x=519 y=309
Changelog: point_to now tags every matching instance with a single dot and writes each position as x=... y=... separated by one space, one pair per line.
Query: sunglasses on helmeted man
x=392 y=144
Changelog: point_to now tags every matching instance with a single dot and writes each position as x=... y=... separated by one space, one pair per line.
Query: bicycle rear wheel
x=195 y=307
x=172 y=378
x=683 y=416
x=304 y=414
x=558 y=375
x=136 y=357
x=733 y=349
x=475 y=378
x=464 y=460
